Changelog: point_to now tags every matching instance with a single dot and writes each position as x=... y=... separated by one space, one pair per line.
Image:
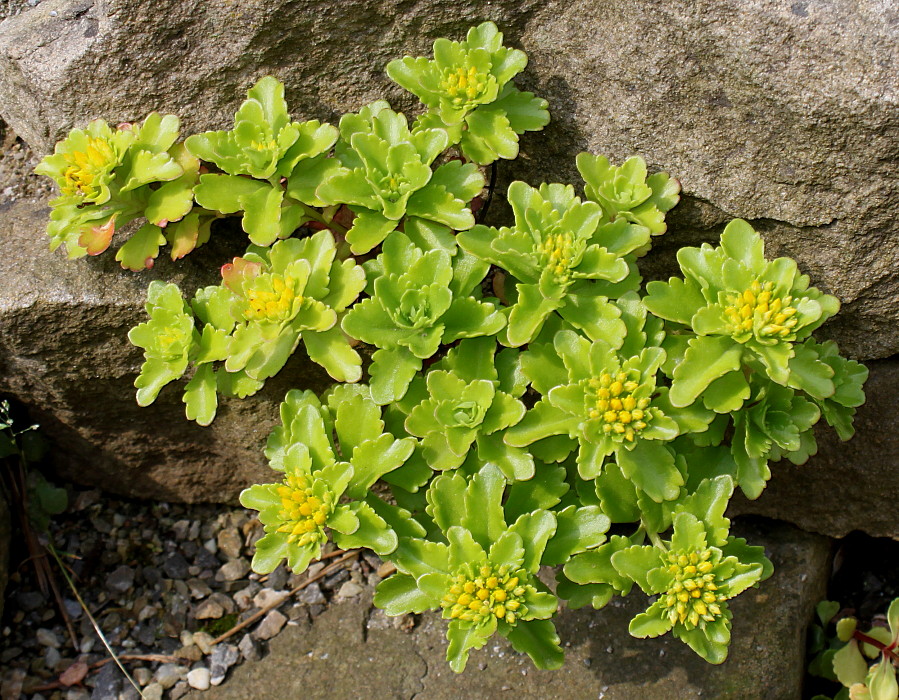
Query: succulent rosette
x=484 y=577
x=418 y=303
x=627 y=192
x=263 y=147
x=746 y=312
x=167 y=338
x=383 y=171
x=693 y=577
x=608 y=401
x=777 y=424
x=111 y=177
x=468 y=91
x=554 y=254
x=330 y=453
x=462 y=409
x=294 y=290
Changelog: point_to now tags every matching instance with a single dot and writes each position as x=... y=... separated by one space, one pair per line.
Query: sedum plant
x=109 y=178
x=505 y=394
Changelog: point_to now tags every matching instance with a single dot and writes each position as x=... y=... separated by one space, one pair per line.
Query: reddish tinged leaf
x=234 y=273
x=97 y=238
x=73 y=674
x=148 y=263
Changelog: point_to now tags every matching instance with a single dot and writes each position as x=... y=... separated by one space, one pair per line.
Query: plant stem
x=887 y=651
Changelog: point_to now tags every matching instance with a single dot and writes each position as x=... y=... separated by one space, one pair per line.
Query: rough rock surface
x=848 y=485
x=64 y=352
x=782 y=113
x=342 y=655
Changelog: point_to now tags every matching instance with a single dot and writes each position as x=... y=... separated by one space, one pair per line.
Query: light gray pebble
x=180 y=529
x=233 y=570
x=46 y=638
x=179 y=691
x=350 y=589
x=270 y=626
x=209 y=610
x=199 y=678
x=77 y=694
x=230 y=542
x=142 y=675
x=223 y=657
x=267 y=596
x=120 y=580
x=211 y=545
x=244 y=597
x=204 y=641
x=312 y=594
x=52 y=657
x=249 y=648
x=169 y=674
x=278 y=578
x=73 y=608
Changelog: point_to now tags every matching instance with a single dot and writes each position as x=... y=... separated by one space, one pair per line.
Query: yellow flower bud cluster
x=476 y=594
x=555 y=253
x=758 y=308
x=270 y=298
x=463 y=86
x=692 y=596
x=613 y=403
x=84 y=167
x=303 y=513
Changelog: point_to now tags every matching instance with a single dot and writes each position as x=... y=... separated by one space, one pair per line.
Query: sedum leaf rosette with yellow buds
x=468 y=91
x=264 y=147
x=111 y=177
x=746 y=311
x=331 y=454
x=693 y=577
x=557 y=258
x=483 y=578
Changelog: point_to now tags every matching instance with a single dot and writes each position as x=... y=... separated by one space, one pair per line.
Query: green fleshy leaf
x=199 y=396
x=535 y=530
x=369 y=229
x=171 y=202
x=849 y=665
x=398 y=595
x=543 y=491
x=465 y=636
x=391 y=371
x=140 y=251
x=489 y=136
x=483 y=510
x=537 y=639
x=707 y=358
x=331 y=350
x=651 y=467
x=372 y=533
x=577 y=530
x=262 y=215
x=648 y=624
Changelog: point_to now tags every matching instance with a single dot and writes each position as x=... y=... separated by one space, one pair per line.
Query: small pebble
x=169 y=674
x=267 y=596
x=46 y=638
x=209 y=610
x=348 y=590
x=270 y=626
x=153 y=692
x=312 y=594
x=223 y=657
x=230 y=543
x=198 y=679
x=249 y=648
x=233 y=570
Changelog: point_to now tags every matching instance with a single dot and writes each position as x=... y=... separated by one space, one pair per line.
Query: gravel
x=163 y=582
